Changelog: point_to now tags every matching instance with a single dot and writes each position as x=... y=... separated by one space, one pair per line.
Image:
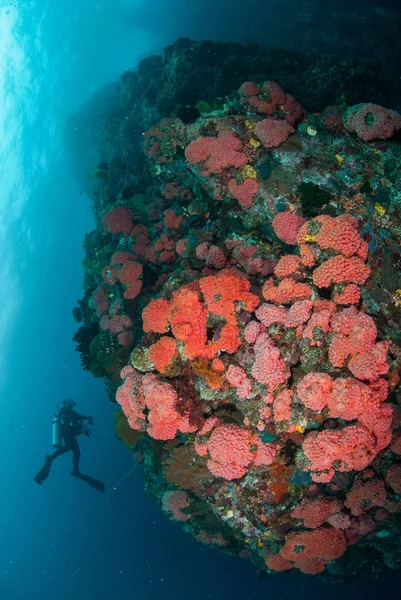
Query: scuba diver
x=67 y=425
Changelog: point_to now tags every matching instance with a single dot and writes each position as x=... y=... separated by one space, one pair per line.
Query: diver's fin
x=44 y=471
x=95 y=483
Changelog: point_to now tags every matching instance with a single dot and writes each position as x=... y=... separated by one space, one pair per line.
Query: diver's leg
x=76 y=454
x=95 y=483
x=59 y=452
x=45 y=470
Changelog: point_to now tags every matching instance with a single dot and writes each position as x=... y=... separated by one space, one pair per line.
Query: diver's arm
x=84 y=418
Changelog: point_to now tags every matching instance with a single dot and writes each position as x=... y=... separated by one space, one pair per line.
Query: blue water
x=61 y=541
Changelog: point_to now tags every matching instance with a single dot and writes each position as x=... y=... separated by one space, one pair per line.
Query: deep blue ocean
x=63 y=540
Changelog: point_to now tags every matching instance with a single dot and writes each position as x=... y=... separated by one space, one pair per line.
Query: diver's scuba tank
x=56 y=423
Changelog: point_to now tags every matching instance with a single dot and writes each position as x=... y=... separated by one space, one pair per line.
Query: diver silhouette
x=67 y=425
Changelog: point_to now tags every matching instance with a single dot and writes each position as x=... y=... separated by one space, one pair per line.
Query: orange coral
x=163 y=352
x=340 y=269
x=154 y=316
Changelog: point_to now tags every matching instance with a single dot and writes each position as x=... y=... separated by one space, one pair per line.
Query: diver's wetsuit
x=70 y=445
x=71 y=426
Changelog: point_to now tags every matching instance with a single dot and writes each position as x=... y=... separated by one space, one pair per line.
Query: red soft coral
x=393 y=478
x=371 y=364
x=340 y=269
x=163 y=353
x=288 y=290
x=372 y=121
x=129 y=275
x=365 y=495
x=349 y=449
x=322 y=544
x=268 y=367
x=118 y=220
x=340 y=236
x=216 y=154
x=244 y=192
x=229 y=451
x=288 y=265
x=286 y=226
x=315 y=511
x=154 y=316
x=355 y=333
x=272 y=132
x=314 y=390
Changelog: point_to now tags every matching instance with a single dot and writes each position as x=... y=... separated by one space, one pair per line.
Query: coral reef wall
x=242 y=300
x=192 y=75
